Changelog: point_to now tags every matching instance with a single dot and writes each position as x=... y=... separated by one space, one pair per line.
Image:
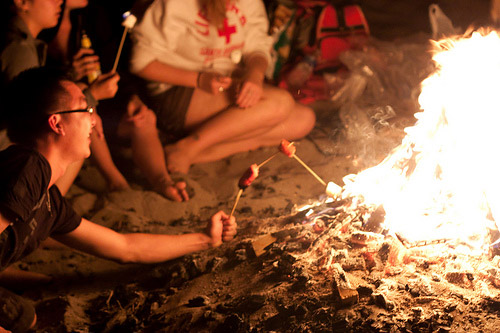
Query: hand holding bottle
x=86 y=44
x=105 y=86
x=85 y=63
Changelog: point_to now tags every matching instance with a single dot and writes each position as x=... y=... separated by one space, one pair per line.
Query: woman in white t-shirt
x=204 y=63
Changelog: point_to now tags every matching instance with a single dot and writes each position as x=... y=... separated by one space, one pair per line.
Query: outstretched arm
x=146 y=248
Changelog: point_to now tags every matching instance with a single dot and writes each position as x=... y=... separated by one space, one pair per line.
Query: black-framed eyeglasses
x=89 y=109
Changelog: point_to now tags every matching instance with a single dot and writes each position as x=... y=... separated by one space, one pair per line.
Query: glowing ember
x=442 y=182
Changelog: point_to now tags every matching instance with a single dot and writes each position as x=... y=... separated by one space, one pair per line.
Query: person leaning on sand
x=51 y=130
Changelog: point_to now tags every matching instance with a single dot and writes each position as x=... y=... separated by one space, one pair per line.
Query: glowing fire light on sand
x=443 y=181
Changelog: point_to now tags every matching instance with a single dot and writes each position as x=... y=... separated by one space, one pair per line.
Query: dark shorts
x=171 y=107
x=16 y=313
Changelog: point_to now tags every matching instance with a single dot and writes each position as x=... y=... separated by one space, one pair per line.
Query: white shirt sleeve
x=154 y=36
x=257 y=39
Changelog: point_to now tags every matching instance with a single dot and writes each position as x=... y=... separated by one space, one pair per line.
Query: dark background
x=388 y=19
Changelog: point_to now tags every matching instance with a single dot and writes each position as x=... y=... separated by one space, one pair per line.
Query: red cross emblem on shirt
x=227 y=31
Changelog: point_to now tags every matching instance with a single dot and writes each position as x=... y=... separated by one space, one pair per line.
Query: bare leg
x=148 y=152
x=272 y=137
x=102 y=157
x=65 y=182
x=275 y=117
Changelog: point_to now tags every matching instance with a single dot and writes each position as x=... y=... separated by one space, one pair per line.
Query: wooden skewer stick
x=236 y=202
x=270 y=158
x=309 y=169
x=125 y=30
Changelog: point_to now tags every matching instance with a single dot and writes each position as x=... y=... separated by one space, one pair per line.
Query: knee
x=143 y=121
x=146 y=119
x=286 y=108
x=149 y=119
x=282 y=104
x=307 y=118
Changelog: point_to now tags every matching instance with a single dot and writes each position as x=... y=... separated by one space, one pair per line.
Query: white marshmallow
x=129 y=20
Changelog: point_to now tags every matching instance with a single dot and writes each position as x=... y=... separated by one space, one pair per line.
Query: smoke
x=378 y=96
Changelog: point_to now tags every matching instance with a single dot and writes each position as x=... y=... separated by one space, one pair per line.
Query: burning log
x=259 y=245
x=353 y=264
x=463 y=279
x=342 y=286
x=365 y=238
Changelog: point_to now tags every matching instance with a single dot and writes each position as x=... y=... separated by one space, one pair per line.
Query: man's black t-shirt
x=35 y=211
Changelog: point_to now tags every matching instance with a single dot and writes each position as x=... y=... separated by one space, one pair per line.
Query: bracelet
x=198 y=80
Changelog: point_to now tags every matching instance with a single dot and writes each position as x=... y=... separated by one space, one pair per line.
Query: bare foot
x=176 y=159
x=118 y=184
x=173 y=191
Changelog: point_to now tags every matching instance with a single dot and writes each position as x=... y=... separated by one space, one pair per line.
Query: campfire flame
x=441 y=182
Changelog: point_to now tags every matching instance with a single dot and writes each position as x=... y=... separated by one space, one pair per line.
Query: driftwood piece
x=342 y=286
x=259 y=245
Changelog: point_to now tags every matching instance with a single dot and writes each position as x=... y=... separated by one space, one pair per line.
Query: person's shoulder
x=17 y=162
x=17 y=56
x=18 y=156
x=17 y=46
x=15 y=36
x=14 y=52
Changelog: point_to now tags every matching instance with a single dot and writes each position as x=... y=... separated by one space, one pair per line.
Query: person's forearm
x=256 y=67
x=106 y=243
x=149 y=249
x=160 y=72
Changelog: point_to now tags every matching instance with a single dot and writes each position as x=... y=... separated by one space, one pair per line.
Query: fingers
x=220 y=215
x=221 y=228
x=220 y=87
x=229 y=228
x=173 y=195
x=223 y=82
x=90 y=62
x=177 y=192
x=105 y=86
x=83 y=52
x=181 y=189
x=85 y=62
x=249 y=95
x=214 y=83
x=113 y=76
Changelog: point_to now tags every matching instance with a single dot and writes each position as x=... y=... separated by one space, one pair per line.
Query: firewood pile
x=316 y=270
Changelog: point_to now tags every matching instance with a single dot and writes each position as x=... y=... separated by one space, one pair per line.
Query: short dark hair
x=29 y=98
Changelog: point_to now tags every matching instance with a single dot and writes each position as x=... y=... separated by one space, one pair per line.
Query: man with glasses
x=50 y=123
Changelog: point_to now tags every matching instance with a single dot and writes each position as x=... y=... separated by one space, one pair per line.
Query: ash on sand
x=326 y=276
